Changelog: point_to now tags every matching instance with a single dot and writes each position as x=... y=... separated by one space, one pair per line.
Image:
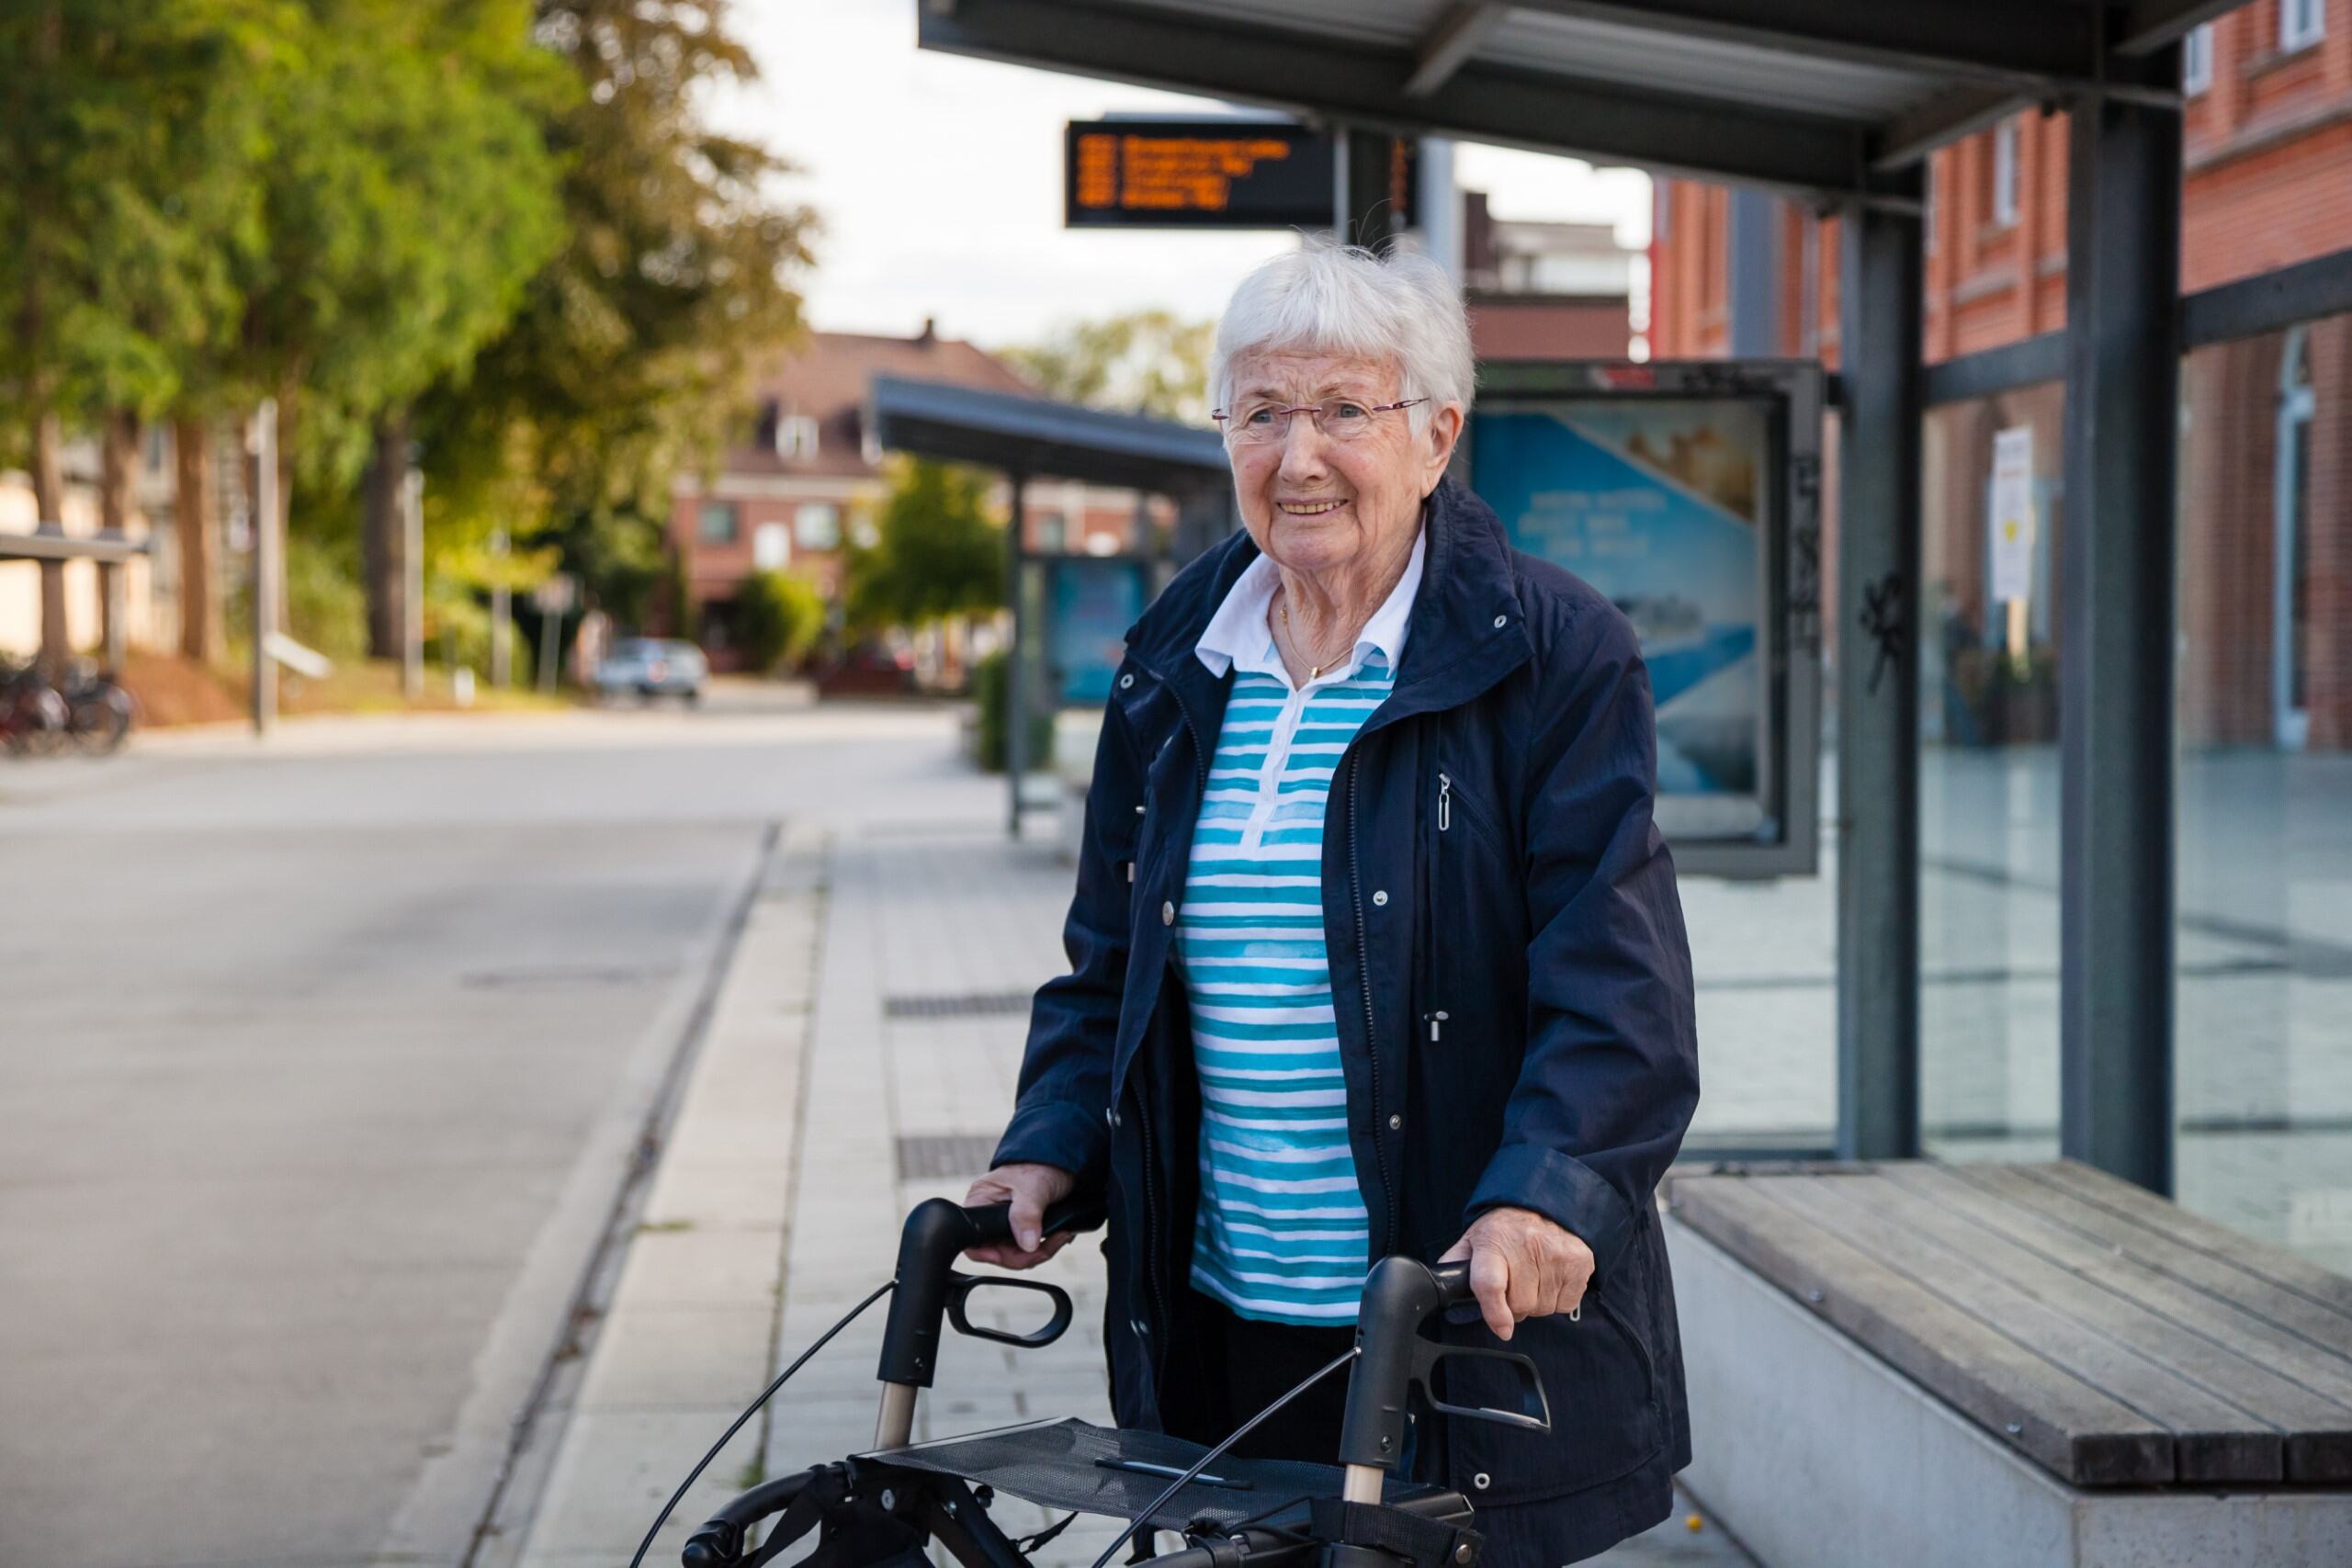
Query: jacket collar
x=1468 y=628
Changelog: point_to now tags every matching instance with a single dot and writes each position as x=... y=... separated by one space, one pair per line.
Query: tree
x=408 y=197
x=1145 y=362
x=126 y=192
x=936 y=551
x=778 y=618
x=632 y=353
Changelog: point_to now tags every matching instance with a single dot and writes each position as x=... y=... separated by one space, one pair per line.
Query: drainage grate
x=970 y=1004
x=937 y=1156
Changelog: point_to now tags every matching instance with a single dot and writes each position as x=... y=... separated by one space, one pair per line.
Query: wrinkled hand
x=1521 y=1265
x=1031 y=1190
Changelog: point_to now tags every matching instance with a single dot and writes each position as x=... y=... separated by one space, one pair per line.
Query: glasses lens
x=1344 y=421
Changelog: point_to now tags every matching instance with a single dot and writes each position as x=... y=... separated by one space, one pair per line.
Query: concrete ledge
x=1812 y=1452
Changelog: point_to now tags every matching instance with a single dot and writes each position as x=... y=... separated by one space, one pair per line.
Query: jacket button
x=1501 y=621
x=1481 y=1481
x=1111 y=1117
x=1396 y=1123
x=1167 y=914
x=1126 y=681
x=1381 y=896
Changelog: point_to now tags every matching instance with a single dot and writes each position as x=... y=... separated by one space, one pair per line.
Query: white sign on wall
x=2012 y=508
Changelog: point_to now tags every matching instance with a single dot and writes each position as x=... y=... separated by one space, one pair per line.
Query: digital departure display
x=1214 y=174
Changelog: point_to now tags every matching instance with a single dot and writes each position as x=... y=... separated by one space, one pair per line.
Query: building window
x=2005 y=174
x=771 y=546
x=720 y=523
x=1053 y=532
x=1928 y=206
x=796 y=437
x=2301 y=23
x=818 y=524
x=2197 y=60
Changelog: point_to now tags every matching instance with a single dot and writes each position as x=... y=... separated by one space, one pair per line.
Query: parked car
x=653 y=667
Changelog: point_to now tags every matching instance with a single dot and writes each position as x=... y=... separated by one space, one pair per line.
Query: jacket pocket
x=1601 y=1379
x=1465 y=852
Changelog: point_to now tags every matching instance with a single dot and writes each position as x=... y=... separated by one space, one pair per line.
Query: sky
x=938 y=182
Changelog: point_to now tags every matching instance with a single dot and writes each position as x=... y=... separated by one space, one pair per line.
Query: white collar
x=1239 y=635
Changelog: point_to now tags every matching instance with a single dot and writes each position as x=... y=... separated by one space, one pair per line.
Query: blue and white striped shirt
x=1281 y=1233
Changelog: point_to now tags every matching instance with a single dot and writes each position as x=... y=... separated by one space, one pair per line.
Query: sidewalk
x=862 y=1059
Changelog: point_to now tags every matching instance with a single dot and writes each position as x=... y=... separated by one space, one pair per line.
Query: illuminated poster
x=1663 y=503
x=1091 y=604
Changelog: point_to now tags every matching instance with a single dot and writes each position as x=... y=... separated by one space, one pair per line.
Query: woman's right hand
x=1031 y=1190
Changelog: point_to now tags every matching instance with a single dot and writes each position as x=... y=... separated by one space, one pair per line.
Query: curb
x=677 y=1333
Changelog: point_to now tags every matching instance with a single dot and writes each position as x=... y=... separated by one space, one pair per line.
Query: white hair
x=1327 y=298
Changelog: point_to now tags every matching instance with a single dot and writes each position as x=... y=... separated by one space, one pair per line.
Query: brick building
x=1543 y=290
x=789 y=495
x=2266 y=460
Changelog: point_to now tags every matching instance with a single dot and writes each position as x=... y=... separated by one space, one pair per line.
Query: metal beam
x=1329 y=79
x=1878 y=686
x=2022 y=43
x=1910 y=136
x=2116 y=606
x=1450 y=45
x=2269 y=302
x=2028 y=362
x=2150 y=25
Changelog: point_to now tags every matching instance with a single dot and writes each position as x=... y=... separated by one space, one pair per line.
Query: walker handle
x=936 y=1233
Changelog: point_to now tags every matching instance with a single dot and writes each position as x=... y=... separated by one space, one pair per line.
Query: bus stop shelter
x=1838 y=104
x=1026 y=438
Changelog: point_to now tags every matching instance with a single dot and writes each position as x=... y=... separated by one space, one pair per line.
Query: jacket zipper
x=1143 y=1105
x=1444 y=823
x=1371 y=1034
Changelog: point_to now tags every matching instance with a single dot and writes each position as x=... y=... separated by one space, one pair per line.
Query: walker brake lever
x=961 y=1286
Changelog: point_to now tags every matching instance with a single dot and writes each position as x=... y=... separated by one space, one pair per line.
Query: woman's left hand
x=1521 y=1265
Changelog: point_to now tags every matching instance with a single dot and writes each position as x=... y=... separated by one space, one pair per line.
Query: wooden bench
x=1924 y=1364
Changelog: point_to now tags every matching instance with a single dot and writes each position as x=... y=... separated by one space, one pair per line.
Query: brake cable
x=752 y=1409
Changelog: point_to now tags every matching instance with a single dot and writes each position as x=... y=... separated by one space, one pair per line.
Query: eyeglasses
x=1339 y=419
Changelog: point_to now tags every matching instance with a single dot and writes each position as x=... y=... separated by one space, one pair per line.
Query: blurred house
x=789 y=495
x=149 y=592
x=1544 y=290
x=2265 y=458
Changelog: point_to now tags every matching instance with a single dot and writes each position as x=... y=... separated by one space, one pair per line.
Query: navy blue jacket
x=1514 y=1015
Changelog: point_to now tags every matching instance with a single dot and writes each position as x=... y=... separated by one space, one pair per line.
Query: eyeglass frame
x=1314 y=412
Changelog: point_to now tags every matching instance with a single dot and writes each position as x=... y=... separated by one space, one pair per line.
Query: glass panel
x=1764 y=967
x=1988 y=776
x=2263 y=978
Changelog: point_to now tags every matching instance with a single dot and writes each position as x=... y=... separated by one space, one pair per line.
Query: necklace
x=1314 y=671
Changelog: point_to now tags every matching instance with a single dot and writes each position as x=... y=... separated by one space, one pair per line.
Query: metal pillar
x=1754 y=244
x=1368 y=189
x=269 y=570
x=1016 y=689
x=1878 y=691
x=2116 y=604
x=413 y=584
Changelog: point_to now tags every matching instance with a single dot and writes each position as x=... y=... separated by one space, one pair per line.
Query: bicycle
x=885 y=1507
x=33 y=715
x=99 y=710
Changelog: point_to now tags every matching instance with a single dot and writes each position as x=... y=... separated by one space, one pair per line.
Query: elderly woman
x=1375 y=946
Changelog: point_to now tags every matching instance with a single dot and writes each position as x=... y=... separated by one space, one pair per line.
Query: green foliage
x=324 y=607
x=778 y=618
x=1145 y=362
x=635 y=342
x=936 y=551
x=409 y=197
x=128 y=192
x=992 y=687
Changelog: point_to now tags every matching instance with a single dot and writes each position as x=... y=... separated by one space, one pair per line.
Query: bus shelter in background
x=1839 y=104
x=1070 y=613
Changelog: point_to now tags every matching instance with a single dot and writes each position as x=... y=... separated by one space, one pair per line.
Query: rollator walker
x=887 y=1508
